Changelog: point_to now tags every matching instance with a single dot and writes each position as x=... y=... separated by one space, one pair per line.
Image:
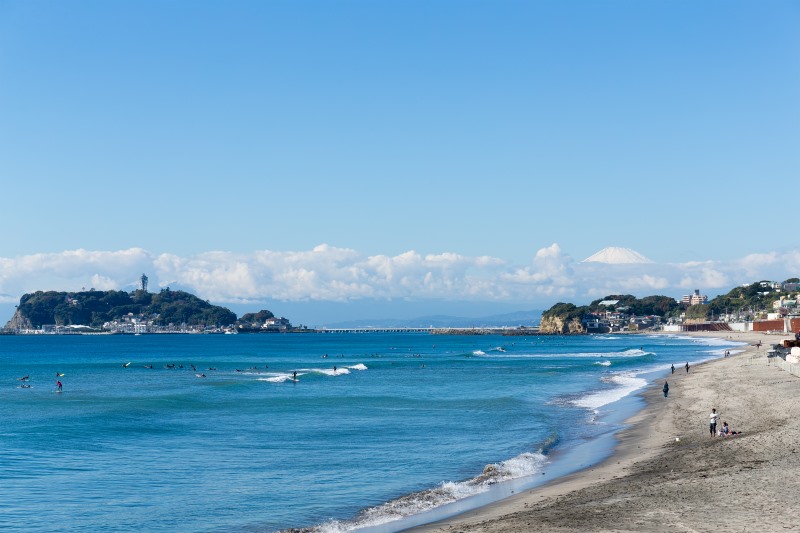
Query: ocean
x=381 y=431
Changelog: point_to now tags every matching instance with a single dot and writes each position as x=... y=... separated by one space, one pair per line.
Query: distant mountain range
x=518 y=318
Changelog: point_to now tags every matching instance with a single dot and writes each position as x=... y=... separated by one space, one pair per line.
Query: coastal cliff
x=563 y=319
x=18 y=321
x=559 y=325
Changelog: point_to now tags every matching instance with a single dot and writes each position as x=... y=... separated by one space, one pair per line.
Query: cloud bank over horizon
x=330 y=274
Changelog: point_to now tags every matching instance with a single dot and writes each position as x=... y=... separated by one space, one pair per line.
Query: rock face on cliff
x=18 y=322
x=558 y=325
x=551 y=325
x=562 y=319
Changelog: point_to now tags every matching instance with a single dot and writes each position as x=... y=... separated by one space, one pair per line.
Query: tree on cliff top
x=256 y=318
x=566 y=311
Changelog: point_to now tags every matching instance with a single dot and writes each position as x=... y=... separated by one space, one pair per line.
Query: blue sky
x=307 y=153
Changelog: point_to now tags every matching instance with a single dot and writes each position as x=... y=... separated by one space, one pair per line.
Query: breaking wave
x=522 y=465
x=599 y=355
x=625 y=384
x=280 y=377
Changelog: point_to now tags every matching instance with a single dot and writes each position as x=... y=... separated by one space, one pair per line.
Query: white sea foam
x=707 y=341
x=339 y=371
x=523 y=465
x=634 y=352
x=478 y=352
x=280 y=377
x=603 y=363
x=625 y=384
x=714 y=341
x=276 y=377
x=598 y=355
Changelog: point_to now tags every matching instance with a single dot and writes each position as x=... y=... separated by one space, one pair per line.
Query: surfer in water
x=334 y=370
x=24 y=378
x=58 y=385
x=294 y=375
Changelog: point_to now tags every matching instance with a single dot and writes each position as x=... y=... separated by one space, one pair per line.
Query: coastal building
x=694 y=299
x=611 y=321
x=277 y=324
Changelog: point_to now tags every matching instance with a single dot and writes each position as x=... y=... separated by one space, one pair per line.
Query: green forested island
x=137 y=311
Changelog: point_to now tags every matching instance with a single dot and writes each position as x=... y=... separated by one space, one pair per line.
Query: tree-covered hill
x=94 y=308
x=567 y=317
x=745 y=301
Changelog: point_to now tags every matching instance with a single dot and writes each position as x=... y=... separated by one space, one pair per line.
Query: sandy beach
x=654 y=482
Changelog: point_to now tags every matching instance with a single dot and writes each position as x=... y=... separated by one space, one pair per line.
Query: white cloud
x=72 y=270
x=327 y=273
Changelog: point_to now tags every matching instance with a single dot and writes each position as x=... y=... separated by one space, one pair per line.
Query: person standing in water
x=666 y=389
x=673 y=368
x=58 y=385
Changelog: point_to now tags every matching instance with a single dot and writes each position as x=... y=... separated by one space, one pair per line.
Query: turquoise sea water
x=406 y=423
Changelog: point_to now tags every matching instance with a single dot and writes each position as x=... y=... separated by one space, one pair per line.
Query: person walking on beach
x=687 y=367
x=666 y=389
x=673 y=368
x=712 y=422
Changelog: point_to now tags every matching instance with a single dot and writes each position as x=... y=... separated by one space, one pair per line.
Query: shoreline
x=651 y=482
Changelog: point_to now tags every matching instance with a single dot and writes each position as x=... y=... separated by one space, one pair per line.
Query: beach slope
x=654 y=482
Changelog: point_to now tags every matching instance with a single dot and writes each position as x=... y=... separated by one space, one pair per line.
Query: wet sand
x=697 y=483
